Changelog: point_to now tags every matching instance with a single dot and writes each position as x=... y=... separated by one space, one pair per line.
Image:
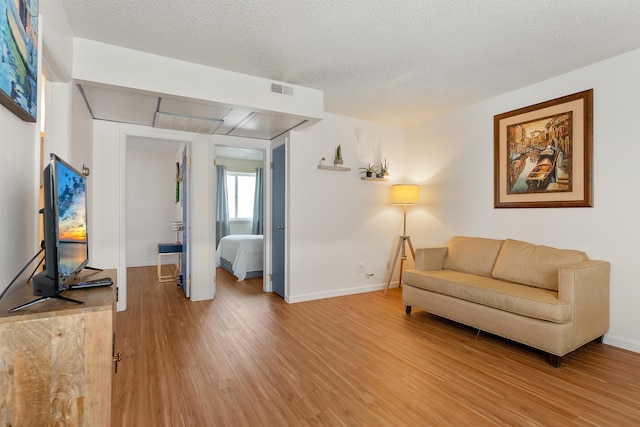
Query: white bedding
x=243 y=251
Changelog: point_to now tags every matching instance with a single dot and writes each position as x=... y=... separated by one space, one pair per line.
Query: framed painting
x=543 y=154
x=19 y=57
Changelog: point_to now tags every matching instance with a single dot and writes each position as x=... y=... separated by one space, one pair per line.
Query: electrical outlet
x=388 y=265
x=361 y=267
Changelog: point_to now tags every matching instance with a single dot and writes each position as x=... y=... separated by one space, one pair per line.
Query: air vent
x=281 y=89
x=186 y=123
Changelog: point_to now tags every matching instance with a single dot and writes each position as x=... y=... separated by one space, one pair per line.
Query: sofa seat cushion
x=524 y=300
x=533 y=265
x=473 y=255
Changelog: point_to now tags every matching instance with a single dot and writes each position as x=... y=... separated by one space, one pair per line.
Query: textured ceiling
x=392 y=61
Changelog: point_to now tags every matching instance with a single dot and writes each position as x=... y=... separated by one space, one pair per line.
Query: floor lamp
x=405 y=195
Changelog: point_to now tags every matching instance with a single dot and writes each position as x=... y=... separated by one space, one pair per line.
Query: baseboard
x=152 y=264
x=141 y=264
x=622 y=343
x=337 y=293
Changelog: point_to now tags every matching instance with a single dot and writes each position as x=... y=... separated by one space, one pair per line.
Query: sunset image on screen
x=72 y=224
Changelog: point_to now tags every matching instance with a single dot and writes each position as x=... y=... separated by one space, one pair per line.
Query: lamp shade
x=405 y=194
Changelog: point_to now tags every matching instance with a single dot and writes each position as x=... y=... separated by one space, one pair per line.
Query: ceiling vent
x=186 y=123
x=281 y=89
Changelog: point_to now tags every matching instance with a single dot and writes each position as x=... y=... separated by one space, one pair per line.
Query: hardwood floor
x=249 y=359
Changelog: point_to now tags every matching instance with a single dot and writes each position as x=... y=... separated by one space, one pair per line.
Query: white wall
x=151 y=190
x=81 y=137
x=202 y=235
x=57 y=43
x=336 y=220
x=452 y=157
x=104 y=245
x=19 y=173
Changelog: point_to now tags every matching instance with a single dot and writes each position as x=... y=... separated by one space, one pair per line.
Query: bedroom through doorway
x=239 y=212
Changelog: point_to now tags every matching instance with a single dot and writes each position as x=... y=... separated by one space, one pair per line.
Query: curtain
x=222 y=209
x=258 y=205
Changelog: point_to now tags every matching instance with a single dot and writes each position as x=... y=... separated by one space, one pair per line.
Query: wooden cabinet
x=56 y=358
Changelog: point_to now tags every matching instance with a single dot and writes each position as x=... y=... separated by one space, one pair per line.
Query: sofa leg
x=554 y=360
x=599 y=340
x=407 y=309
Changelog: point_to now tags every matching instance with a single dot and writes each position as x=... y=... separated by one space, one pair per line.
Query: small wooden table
x=169 y=249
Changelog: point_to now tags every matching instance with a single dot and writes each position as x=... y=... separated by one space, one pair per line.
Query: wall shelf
x=334 y=168
x=372 y=178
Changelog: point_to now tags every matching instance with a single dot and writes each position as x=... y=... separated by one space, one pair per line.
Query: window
x=241 y=187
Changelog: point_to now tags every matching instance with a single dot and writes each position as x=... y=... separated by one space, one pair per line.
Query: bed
x=241 y=255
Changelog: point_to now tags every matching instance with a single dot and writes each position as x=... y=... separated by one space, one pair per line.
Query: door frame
x=185 y=186
x=122 y=193
x=229 y=141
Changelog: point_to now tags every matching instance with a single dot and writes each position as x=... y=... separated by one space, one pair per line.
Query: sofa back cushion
x=533 y=265
x=473 y=255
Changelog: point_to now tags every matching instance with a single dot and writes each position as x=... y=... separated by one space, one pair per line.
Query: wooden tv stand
x=57 y=357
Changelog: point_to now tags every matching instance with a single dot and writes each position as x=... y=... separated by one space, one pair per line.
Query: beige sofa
x=555 y=300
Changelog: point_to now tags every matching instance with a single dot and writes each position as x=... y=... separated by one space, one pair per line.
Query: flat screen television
x=66 y=244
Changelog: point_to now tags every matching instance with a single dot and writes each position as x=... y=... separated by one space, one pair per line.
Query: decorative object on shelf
x=320 y=162
x=384 y=168
x=543 y=154
x=405 y=195
x=177 y=227
x=370 y=170
x=338 y=159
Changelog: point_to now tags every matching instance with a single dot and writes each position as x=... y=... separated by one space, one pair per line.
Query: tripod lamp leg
x=393 y=266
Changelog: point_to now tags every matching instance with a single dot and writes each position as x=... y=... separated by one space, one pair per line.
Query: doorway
x=240 y=211
x=150 y=202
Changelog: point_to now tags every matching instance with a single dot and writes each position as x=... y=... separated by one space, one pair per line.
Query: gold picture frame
x=543 y=154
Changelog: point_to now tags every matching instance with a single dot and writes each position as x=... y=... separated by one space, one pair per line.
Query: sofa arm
x=585 y=285
x=429 y=259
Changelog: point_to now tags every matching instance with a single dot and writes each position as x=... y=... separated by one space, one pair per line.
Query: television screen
x=71 y=219
x=66 y=250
